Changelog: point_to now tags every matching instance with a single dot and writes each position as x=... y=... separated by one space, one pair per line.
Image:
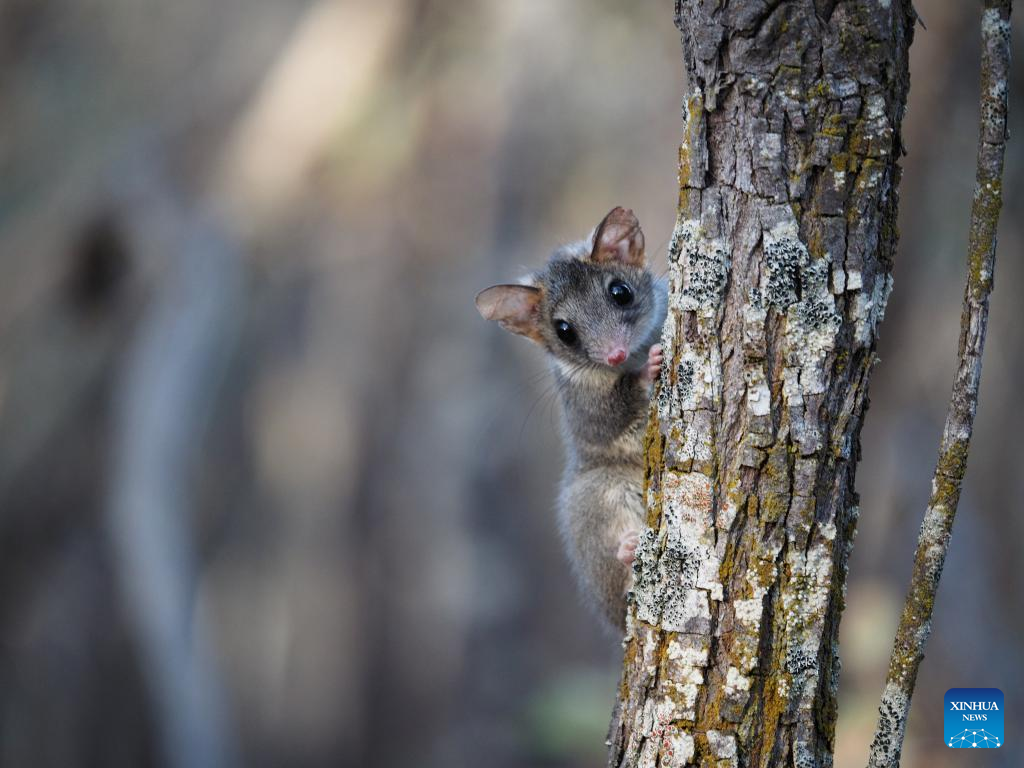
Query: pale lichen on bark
x=779 y=268
x=936 y=527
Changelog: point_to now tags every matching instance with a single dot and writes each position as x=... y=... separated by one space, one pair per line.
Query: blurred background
x=271 y=492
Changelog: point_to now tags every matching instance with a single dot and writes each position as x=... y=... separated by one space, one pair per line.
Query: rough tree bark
x=780 y=267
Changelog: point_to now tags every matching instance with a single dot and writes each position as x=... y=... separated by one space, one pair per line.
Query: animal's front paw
x=655 y=358
x=627 y=547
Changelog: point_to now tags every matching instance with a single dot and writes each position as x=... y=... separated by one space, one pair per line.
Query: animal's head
x=594 y=303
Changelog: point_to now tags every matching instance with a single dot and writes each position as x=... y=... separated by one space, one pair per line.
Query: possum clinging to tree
x=597 y=310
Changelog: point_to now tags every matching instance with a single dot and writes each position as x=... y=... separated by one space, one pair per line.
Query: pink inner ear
x=619 y=238
x=514 y=307
x=619 y=250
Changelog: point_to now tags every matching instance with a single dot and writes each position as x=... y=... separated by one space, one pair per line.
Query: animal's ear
x=618 y=238
x=515 y=308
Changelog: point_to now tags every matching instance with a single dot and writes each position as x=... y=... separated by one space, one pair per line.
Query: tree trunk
x=780 y=267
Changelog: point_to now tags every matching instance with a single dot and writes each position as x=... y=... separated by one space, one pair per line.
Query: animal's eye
x=565 y=332
x=620 y=292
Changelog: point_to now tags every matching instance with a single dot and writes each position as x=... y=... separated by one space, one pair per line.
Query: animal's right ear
x=515 y=308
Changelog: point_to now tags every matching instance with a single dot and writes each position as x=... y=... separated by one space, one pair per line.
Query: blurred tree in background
x=357 y=474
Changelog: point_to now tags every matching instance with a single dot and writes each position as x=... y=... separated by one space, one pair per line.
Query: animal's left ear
x=618 y=238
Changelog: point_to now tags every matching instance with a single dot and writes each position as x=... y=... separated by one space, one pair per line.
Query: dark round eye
x=565 y=332
x=620 y=292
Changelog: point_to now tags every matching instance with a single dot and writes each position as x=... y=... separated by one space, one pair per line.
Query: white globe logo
x=974 y=739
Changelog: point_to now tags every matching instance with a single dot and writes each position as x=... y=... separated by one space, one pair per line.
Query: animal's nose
x=617 y=356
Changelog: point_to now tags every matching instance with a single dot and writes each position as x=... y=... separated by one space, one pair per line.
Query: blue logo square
x=973 y=718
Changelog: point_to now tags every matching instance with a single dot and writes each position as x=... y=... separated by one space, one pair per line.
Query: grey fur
x=604 y=419
x=604 y=407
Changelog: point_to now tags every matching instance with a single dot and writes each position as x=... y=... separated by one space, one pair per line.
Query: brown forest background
x=365 y=469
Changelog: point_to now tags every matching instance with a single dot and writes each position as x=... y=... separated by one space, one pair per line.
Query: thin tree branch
x=933 y=539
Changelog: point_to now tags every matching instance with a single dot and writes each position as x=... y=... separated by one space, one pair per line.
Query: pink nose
x=616 y=356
